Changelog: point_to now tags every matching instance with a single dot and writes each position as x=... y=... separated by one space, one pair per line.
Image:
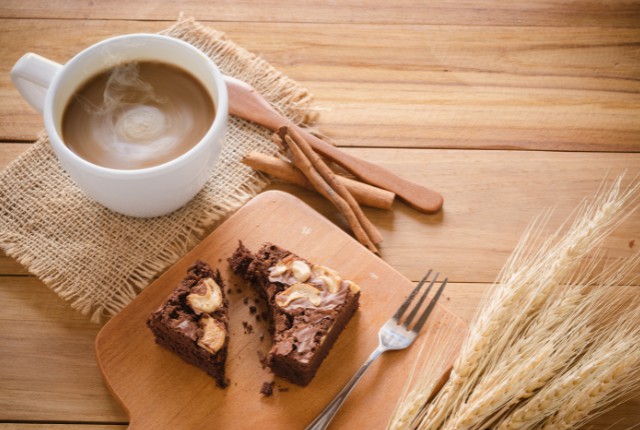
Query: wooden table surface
x=506 y=108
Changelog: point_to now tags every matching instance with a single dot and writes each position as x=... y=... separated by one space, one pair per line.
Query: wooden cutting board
x=160 y=391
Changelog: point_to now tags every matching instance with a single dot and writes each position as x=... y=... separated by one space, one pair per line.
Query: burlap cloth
x=99 y=260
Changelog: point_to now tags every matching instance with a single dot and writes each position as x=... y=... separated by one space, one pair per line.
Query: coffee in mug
x=137 y=115
x=137 y=148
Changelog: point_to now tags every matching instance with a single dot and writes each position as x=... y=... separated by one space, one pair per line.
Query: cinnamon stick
x=323 y=179
x=328 y=175
x=364 y=194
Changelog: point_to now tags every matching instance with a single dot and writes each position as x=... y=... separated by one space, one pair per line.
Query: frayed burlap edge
x=186 y=239
x=287 y=96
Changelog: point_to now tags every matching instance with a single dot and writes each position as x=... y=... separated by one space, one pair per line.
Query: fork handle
x=323 y=420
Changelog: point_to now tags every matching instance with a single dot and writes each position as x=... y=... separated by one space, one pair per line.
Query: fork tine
x=416 y=308
x=409 y=299
x=432 y=305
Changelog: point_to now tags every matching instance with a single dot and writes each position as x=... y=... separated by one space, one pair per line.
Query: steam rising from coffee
x=131 y=105
x=137 y=115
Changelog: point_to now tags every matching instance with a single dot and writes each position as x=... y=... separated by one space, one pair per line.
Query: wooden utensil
x=246 y=103
x=160 y=391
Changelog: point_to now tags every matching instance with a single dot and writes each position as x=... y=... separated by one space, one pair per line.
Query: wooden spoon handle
x=417 y=196
x=245 y=102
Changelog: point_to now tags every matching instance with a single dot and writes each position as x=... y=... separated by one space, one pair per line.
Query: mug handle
x=32 y=75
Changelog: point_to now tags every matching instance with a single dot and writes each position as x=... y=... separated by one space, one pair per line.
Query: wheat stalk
x=596 y=384
x=600 y=311
x=527 y=323
x=602 y=374
x=428 y=367
x=407 y=410
x=483 y=333
x=566 y=325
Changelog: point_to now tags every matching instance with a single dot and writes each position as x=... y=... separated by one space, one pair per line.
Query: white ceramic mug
x=144 y=192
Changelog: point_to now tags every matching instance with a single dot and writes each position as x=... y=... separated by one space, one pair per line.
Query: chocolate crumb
x=258 y=318
x=253 y=309
x=261 y=336
x=239 y=290
x=264 y=316
x=246 y=301
x=267 y=389
x=248 y=328
x=283 y=389
x=632 y=242
x=263 y=359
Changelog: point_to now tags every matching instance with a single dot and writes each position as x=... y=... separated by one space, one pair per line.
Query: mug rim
x=217 y=126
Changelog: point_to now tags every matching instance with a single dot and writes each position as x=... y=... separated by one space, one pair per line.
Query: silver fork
x=392 y=336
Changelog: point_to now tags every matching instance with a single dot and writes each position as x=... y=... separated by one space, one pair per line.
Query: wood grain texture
x=37 y=395
x=182 y=396
x=51 y=426
x=11 y=151
x=491 y=197
x=68 y=386
x=47 y=364
x=613 y=13
x=569 y=89
x=428 y=90
x=487 y=211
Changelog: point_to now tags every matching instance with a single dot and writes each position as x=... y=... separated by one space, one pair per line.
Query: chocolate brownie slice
x=193 y=321
x=309 y=306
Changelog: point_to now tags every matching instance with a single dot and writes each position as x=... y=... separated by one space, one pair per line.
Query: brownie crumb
x=263 y=359
x=632 y=243
x=267 y=389
x=248 y=328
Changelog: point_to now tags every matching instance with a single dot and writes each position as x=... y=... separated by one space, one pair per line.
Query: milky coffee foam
x=137 y=115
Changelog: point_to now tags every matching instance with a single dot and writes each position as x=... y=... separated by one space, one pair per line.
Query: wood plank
x=9 y=152
x=570 y=89
x=47 y=364
x=477 y=82
x=620 y=13
x=37 y=394
x=490 y=198
x=9 y=266
x=50 y=426
x=67 y=386
x=282 y=219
